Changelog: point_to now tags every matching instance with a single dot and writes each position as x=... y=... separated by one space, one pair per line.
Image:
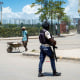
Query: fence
x=19 y=21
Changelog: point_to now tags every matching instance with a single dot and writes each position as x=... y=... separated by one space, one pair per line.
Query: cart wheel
x=9 y=49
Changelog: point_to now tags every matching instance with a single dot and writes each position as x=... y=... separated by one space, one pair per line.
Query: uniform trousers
x=46 y=51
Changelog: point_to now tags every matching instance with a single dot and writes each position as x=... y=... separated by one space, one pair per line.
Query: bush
x=72 y=27
x=16 y=31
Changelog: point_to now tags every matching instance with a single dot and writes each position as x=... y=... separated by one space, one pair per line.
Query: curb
x=58 y=57
x=17 y=38
x=64 y=35
x=30 y=54
x=36 y=37
x=69 y=58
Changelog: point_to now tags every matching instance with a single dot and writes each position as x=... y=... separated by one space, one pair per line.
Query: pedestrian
x=56 y=28
x=67 y=28
x=46 y=41
x=24 y=37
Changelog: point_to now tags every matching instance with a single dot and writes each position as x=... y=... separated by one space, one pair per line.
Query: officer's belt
x=46 y=45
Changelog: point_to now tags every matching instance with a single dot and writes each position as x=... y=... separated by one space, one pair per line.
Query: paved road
x=69 y=42
x=14 y=66
x=63 y=43
x=18 y=67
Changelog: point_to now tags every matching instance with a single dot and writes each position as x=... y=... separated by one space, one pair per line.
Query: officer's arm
x=52 y=41
x=48 y=36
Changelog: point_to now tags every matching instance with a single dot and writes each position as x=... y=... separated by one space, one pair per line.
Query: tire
x=9 y=49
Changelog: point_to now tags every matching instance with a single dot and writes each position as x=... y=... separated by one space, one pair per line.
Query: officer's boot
x=40 y=74
x=56 y=73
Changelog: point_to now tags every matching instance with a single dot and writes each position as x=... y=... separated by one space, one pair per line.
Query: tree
x=49 y=9
x=66 y=19
x=0 y=23
x=43 y=10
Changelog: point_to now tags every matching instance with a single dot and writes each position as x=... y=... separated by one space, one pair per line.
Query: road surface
x=17 y=67
x=14 y=66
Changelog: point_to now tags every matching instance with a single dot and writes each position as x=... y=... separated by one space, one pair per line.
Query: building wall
x=63 y=27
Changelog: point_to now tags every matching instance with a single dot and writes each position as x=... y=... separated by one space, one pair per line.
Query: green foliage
x=49 y=9
x=10 y=25
x=66 y=19
x=72 y=27
x=33 y=50
x=41 y=28
x=9 y=32
x=32 y=30
x=33 y=4
x=0 y=23
x=16 y=31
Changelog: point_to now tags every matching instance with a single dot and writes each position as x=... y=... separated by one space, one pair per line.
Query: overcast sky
x=20 y=9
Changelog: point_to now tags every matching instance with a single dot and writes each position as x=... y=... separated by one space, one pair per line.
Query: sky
x=20 y=9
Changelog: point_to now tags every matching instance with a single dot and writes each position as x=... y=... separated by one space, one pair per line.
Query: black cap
x=45 y=25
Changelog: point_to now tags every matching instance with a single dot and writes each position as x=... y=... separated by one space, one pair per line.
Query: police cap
x=45 y=25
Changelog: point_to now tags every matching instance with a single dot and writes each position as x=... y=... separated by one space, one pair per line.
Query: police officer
x=45 y=49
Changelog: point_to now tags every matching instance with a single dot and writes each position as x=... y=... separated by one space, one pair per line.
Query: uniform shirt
x=47 y=34
x=24 y=34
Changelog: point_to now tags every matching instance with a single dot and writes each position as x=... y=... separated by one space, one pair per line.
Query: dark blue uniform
x=45 y=51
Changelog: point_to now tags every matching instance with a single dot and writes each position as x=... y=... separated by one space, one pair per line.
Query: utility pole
x=1 y=11
x=78 y=26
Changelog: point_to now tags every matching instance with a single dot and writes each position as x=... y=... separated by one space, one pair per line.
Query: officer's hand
x=54 y=42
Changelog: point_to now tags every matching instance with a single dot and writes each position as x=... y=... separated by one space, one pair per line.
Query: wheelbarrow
x=12 y=45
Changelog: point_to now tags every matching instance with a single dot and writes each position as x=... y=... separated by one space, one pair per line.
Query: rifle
x=54 y=52
x=54 y=47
